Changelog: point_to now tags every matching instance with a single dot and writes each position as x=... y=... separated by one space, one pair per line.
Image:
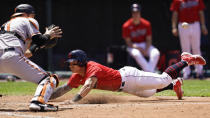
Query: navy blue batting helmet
x=78 y=55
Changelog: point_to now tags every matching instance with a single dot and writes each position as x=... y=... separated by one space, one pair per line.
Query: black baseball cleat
x=37 y=106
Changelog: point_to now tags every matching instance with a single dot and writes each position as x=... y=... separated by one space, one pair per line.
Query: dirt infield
x=109 y=106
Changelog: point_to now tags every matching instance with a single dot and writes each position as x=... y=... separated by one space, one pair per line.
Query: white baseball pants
x=154 y=55
x=190 y=40
x=142 y=84
x=14 y=62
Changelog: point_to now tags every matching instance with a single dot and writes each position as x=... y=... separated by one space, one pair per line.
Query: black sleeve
x=33 y=48
x=40 y=39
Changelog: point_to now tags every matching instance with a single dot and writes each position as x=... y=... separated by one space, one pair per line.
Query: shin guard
x=45 y=89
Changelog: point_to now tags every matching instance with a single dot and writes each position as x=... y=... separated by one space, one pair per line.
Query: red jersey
x=107 y=78
x=137 y=33
x=188 y=10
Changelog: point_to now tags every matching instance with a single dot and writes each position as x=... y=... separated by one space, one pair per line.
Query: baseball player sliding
x=189 y=12
x=130 y=80
x=19 y=39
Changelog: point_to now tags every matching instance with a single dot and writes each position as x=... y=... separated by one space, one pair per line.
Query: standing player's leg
x=185 y=36
x=196 y=36
x=140 y=59
x=154 y=56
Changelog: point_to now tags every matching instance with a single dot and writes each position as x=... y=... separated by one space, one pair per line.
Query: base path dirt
x=111 y=106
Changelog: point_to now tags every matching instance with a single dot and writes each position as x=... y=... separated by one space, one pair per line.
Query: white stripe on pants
x=12 y=62
x=143 y=84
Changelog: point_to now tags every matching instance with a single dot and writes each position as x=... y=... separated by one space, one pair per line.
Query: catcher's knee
x=52 y=79
x=45 y=88
x=56 y=78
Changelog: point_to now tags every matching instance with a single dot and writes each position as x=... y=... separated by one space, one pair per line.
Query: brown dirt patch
x=110 y=106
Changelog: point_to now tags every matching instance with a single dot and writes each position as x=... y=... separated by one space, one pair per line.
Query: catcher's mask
x=24 y=8
x=79 y=56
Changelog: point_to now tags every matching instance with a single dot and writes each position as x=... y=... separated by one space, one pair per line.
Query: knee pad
x=55 y=76
x=45 y=89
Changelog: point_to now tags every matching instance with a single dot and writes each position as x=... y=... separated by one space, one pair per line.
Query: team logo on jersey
x=140 y=32
x=130 y=27
x=188 y=4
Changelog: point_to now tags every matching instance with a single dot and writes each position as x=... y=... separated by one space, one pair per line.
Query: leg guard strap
x=45 y=89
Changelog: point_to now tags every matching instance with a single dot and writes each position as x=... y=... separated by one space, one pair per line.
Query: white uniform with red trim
x=14 y=61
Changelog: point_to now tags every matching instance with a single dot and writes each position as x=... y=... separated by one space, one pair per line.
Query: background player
x=93 y=75
x=16 y=37
x=190 y=11
x=137 y=34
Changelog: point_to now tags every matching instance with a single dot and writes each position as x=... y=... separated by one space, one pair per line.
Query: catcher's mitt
x=51 y=43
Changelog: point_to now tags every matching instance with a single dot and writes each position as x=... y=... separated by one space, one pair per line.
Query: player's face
x=136 y=15
x=74 y=67
x=31 y=15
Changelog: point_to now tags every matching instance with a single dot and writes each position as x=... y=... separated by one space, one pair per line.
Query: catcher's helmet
x=78 y=55
x=24 y=8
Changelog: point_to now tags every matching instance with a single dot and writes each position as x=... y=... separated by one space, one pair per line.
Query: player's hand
x=145 y=53
x=28 y=53
x=54 y=32
x=175 y=31
x=204 y=30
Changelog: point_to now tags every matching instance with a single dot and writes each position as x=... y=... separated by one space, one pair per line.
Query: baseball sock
x=174 y=70
x=169 y=87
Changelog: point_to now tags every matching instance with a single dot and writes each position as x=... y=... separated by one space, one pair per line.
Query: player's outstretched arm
x=89 y=84
x=60 y=91
x=47 y=40
x=53 y=31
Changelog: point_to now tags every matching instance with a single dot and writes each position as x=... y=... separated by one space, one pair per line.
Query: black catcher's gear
x=25 y=8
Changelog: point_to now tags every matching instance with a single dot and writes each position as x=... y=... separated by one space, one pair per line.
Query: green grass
x=198 y=88
x=191 y=88
x=17 y=88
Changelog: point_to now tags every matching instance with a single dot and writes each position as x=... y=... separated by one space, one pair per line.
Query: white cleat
x=34 y=107
x=42 y=107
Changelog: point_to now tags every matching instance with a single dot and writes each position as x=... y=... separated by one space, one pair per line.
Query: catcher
x=130 y=80
x=19 y=39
